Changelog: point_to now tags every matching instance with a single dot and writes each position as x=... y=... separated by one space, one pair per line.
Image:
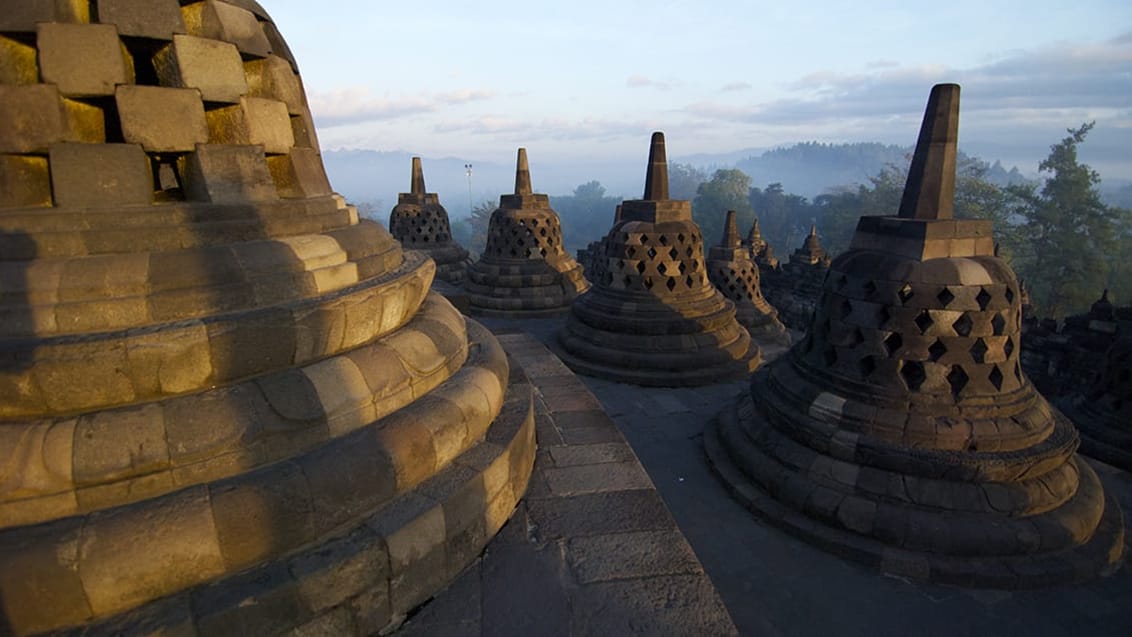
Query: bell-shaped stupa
x=902 y=432
x=227 y=405
x=419 y=222
x=524 y=272
x=1103 y=412
x=736 y=276
x=652 y=317
x=754 y=243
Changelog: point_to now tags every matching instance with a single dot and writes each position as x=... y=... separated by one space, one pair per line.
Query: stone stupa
x=419 y=222
x=652 y=317
x=736 y=276
x=754 y=243
x=1103 y=412
x=227 y=405
x=524 y=271
x=902 y=432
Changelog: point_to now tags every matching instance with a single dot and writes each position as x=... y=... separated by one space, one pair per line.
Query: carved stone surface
x=794 y=287
x=524 y=271
x=902 y=432
x=419 y=222
x=227 y=405
x=653 y=317
x=1103 y=411
x=736 y=276
x=1062 y=360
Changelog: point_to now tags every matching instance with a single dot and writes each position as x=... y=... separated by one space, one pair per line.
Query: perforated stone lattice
x=142 y=93
x=523 y=235
x=420 y=225
x=657 y=262
x=961 y=339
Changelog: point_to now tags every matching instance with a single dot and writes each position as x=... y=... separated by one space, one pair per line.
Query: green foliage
x=586 y=215
x=684 y=180
x=727 y=190
x=784 y=218
x=1069 y=237
x=471 y=232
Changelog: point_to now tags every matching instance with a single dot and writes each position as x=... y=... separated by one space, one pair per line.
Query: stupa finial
x=656 y=180
x=417 y=187
x=522 y=174
x=730 y=232
x=930 y=190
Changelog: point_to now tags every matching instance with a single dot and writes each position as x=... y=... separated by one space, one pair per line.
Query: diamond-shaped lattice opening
x=979 y=351
x=689 y=281
x=683 y=267
x=999 y=325
x=680 y=237
x=846 y=308
x=663 y=239
x=913 y=374
x=1008 y=347
x=882 y=316
x=1010 y=295
x=672 y=253
x=905 y=293
x=996 y=377
x=652 y=253
x=936 y=350
x=688 y=252
x=893 y=343
x=662 y=268
x=647 y=282
x=958 y=379
x=866 y=366
x=870 y=288
x=627 y=281
x=857 y=338
x=542 y=231
x=963 y=325
x=945 y=297
x=984 y=298
x=644 y=239
x=830 y=356
x=924 y=321
x=641 y=267
x=631 y=252
x=671 y=283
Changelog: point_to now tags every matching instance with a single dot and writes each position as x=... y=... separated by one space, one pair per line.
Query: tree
x=784 y=218
x=586 y=215
x=684 y=180
x=1070 y=235
x=728 y=189
x=471 y=232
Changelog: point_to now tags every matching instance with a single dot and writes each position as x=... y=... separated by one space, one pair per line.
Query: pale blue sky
x=578 y=79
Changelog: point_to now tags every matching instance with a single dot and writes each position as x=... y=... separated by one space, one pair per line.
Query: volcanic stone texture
x=736 y=276
x=653 y=317
x=227 y=405
x=1103 y=412
x=419 y=222
x=524 y=272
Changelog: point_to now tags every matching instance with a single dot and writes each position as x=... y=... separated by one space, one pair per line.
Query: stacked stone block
x=226 y=403
x=653 y=317
x=419 y=222
x=902 y=431
x=794 y=287
x=524 y=272
x=736 y=276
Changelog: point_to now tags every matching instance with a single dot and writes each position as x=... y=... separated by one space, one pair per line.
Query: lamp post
x=468 y=172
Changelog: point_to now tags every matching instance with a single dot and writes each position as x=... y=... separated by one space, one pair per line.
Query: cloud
x=735 y=86
x=640 y=81
x=355 y=105
x=548 y=128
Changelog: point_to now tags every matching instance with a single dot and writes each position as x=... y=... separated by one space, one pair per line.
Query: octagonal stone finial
x=418 y=186
x=930 y=190
x=656 y=180
x=523 y=174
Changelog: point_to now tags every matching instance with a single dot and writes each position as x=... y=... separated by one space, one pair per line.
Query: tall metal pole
x=468 y=172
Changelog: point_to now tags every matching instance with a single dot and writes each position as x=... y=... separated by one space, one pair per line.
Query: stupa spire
x=656 y=180
x=417 y=187
x=522 y=174
x=930 y=190
x=730 y=232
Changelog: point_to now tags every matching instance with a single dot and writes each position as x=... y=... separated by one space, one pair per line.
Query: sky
x=581 y=79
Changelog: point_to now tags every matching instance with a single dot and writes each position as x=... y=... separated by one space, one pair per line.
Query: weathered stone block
x=261 y=515
x=40 y=587
x=223 y=21
x=211 y=66
x=114 y=444
x=24 y=16
x=162 y=119
x=341 y=569
x=254 y=120
x=17 y=62
x=414 y=533
x=85 y=175
x=38 y=458
x=227 y=173
x=24 y=181
x=342 y=392
x=154 y=19
x=299 y=174
x=35 y=116
x=83 y=60
x=261 y=601
x=273 y=78
x=303 y=130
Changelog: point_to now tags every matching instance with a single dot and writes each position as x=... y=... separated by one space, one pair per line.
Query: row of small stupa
x=228 y=404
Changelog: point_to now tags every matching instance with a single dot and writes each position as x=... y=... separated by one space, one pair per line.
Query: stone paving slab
x=592 y=549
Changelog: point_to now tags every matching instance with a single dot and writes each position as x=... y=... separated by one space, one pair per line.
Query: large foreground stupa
x=227 y=405
x=419 y=222
x=652 y=317
x=524 y=272
x=902 y=431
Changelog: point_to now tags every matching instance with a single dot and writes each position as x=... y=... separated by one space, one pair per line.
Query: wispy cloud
x=512 y=129
x=735 y=86
x=641 y=81
x=356 y=104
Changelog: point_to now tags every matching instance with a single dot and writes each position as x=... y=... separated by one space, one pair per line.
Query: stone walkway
x=770 y=582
